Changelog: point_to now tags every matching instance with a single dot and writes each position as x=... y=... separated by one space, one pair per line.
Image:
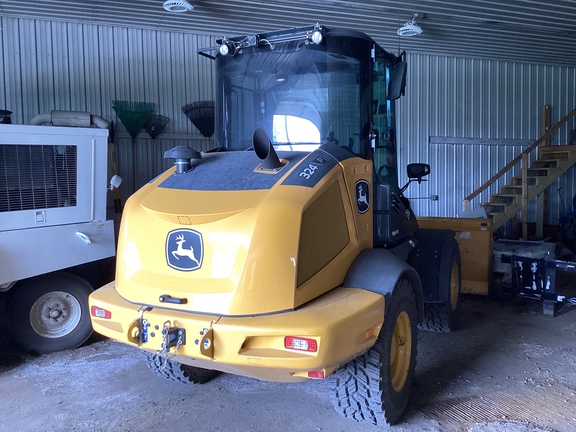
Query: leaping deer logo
x=181 y=244
x=362 y=199
x=184 y=252
x=362 y=196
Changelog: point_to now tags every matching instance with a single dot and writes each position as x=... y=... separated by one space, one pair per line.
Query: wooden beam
x=540 y=211
x=546 y=123
x=543 y=198
x=524 y=196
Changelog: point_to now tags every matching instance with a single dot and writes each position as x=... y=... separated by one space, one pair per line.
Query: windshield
x=301 y=95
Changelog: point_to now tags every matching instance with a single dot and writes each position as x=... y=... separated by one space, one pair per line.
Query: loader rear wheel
x=442 y=317
x=50 y=313
x=179 y=372
x=375 y=387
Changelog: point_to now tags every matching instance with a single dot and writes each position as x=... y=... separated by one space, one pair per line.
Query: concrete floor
x=508 y=368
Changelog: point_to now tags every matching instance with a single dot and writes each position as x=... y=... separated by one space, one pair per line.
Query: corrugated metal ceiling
x=533 y=31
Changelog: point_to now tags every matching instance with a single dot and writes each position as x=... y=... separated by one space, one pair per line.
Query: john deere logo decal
x=362 y=196
x=184 y=249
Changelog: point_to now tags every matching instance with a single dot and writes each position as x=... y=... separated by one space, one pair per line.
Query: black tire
x=50 y=313
x=442 y=317
x=375 y=387
x=179 y=372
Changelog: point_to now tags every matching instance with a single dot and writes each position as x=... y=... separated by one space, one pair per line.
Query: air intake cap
x=182 y=156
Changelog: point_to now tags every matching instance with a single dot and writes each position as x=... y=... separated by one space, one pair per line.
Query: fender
x=432 y=260
x=378 y=270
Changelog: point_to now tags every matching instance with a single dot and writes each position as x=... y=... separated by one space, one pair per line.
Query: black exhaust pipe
x=265 y=151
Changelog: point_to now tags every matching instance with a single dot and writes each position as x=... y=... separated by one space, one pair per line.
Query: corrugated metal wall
x=491 y=110
x=69 y=66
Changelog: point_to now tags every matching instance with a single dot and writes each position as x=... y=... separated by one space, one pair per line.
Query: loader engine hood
x=228 y=238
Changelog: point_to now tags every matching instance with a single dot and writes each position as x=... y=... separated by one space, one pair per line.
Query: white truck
x=55 y=241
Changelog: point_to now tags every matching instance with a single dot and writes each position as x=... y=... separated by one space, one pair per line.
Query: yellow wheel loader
x=288 y=252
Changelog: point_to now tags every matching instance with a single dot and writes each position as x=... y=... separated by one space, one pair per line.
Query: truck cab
x=312 y=87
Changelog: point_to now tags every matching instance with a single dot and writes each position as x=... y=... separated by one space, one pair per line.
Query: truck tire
x=375 y=387
x=49 y=313
x=179 y=372
x=442 y=317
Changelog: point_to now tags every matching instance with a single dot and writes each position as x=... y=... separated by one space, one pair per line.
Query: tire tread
x=178 y=372
x=356 y=387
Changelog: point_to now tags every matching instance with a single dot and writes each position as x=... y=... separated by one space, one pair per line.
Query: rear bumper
x=344 y=322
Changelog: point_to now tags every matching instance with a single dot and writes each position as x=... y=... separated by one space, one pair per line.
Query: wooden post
x=545 y=123
x=524 y=196
x=542 y=203
x=540 y=211
x=515 y=227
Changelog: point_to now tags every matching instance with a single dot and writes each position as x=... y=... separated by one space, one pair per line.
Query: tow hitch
x=172 y=337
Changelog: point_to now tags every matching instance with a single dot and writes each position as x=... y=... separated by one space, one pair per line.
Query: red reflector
x=317 y=374
x=100 y=313
x=300 y=344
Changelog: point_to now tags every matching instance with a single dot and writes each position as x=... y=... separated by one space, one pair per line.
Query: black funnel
x=265 y=151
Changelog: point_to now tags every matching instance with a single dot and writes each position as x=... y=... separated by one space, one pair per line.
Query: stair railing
x=523 y=157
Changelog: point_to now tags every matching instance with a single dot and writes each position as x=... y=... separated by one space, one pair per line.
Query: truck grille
x=37 y=177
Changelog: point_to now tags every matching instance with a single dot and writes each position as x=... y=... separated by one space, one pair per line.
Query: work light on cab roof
x=232 y=47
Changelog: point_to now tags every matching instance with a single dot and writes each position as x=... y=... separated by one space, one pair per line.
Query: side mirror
x=397 y=80
x=416 y=171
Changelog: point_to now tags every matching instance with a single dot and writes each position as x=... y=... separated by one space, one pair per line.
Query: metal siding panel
x=191 y=67
x=12 y=69
x=135 y=66
x=150 y=68
x=121 y=63
x=179 y=78
x=76 y=54
x=106 y=73
x=205 y=69
x=61 y=66
x=92 y=81
x=2 y=62
x=165 y=76
x=28 y=69
x=45 y=57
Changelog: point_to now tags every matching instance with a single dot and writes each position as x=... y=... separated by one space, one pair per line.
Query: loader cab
x=310 y=86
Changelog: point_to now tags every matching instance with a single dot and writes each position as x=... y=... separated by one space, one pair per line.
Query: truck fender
x=378 y=270
x=432 y=260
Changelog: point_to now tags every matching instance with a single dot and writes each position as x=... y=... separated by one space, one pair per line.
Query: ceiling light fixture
x=177 y=6
x=411 y=28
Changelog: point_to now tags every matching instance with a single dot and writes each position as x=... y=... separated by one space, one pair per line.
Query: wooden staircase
x=551 y=162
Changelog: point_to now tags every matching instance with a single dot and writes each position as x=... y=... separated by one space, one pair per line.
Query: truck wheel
x=179 y=372
x=50 y=313
x=375 y=387
x=442 y=317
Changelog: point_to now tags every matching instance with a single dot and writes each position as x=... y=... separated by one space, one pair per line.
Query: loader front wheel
x=375 y=387
x=442 y=317
x=179 y=372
